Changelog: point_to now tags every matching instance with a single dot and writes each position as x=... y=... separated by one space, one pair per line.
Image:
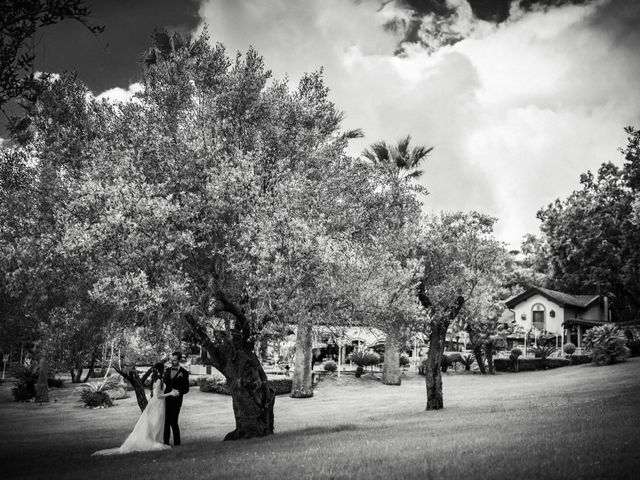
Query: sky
x=518 y=98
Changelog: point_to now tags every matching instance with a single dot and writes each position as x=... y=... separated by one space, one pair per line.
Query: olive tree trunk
x=433 y=366
x=490 y=365
x=42 y=387
x=233 y=354
x=477 y=352
x=133 y=377
x=391 y=374
x=302 y=374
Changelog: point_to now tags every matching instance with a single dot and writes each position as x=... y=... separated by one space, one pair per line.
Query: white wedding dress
x=148 y=432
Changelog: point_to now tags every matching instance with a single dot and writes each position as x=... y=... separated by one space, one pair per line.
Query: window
x=538 y=317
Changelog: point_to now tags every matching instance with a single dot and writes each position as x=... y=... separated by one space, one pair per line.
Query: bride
x=147 y=434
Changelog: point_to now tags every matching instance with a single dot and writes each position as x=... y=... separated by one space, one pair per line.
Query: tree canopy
x=593 y=234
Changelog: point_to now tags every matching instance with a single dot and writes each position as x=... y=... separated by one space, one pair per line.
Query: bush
x=55 y=382
x=404 y=360
x=569 y=348
x=363 y=359
x=543 y=351
x=607 y=343
x=98 y=394
x=280 y=385
x=580 y=359
x=467 y=361
x=330 y=366
x=530 y=364
x=516 y=352
x=95 y=399
x=209 y=384
x=22 y=392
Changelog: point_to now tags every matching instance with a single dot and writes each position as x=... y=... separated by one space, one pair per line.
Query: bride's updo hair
x=158 y=371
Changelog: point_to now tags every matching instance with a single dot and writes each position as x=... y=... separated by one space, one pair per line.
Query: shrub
x=280 y=385
x=634 y=346
x=330 y=366
x=607 y=343
x=513 y=357
x=529 y=364
x=404 y=360
x=580 y=359
x=209 y=384
x=22 y=392
x=26 y=376
x=363 y=359
x=467 y=361
x=55 y=382
x=97 y=394
x=569 y=348
x=96 y=399
x=543 y=351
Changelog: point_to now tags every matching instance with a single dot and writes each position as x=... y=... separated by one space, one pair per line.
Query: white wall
x=552 y=324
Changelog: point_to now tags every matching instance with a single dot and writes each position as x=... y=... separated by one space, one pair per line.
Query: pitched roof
x=562 y=299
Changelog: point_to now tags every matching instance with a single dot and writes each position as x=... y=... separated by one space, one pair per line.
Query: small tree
x=569 y=348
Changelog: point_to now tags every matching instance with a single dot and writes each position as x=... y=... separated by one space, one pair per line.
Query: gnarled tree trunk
x=132 y=376
x=302 y=375
x=391 y=374
x=233 y=354
x=477 y=352
x=433 y=371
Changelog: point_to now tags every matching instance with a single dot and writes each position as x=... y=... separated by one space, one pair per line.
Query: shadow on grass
x=321 y=430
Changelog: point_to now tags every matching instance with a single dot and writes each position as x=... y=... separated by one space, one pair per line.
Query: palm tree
x=402 y=164
x=401 y=161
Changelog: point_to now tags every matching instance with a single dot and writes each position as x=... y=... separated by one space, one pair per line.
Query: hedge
x=279 y=385
x=580 y=359
x=530 y=364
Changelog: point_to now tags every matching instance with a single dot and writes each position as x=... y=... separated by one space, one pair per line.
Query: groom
x=175 y=378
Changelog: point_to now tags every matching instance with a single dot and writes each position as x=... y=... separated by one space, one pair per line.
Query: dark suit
x=179 y=382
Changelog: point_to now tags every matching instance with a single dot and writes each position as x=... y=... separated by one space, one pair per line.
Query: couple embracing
x=153 y=429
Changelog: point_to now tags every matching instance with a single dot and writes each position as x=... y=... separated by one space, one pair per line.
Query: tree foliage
x=458 y=255
x=19 y=22
x=593 y=234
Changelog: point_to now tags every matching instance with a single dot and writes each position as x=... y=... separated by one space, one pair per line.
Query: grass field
x=568 y=423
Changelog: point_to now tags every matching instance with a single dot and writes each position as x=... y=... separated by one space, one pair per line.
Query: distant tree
x=527 y=267
x=593 y=235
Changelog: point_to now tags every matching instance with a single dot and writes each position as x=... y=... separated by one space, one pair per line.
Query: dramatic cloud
x=518 y=98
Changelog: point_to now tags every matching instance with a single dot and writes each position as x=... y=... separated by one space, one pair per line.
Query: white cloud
x=515 y=112
x=118 y=94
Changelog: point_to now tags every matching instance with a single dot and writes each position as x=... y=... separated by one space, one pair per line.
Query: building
x=540 y=310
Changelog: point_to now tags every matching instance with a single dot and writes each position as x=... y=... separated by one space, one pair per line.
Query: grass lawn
x=569 y=423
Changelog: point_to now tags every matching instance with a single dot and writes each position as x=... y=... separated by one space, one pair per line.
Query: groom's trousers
x=173 y=405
